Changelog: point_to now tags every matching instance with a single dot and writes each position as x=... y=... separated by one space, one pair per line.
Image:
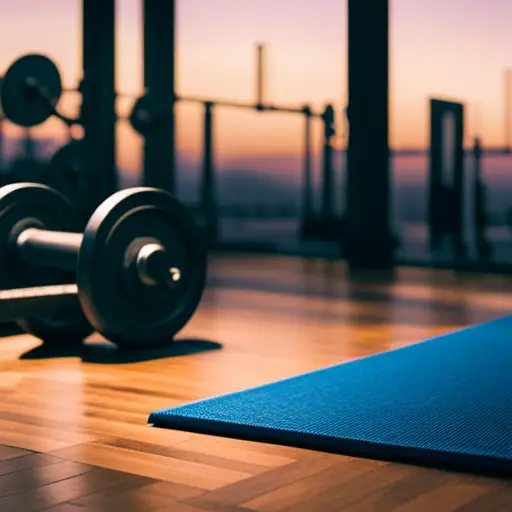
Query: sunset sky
x=447 y=48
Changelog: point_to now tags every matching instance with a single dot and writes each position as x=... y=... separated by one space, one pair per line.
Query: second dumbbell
x=140 y=265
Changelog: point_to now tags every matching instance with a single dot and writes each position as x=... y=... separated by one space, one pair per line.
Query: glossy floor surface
x=73 y=420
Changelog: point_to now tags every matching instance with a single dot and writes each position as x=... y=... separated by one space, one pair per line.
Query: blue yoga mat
x=445 y=402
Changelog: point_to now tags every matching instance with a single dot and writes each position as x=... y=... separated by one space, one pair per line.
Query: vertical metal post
x=307 y=183
x=98 y=98
x=159 y=80
x=2 y=146
x=208 y=186
x=437 y=219
x=260 y=77
x=368 y=241
x=446 y=184
x=483 y=248
x=459 y=242
x=28 y=147
x=327 y=210
x=2 y=150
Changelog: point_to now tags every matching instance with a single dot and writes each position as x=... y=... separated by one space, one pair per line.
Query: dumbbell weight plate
x=124 y=310
x=68 y=325
x=66 y=173
x=25 y=205
x=18 y=103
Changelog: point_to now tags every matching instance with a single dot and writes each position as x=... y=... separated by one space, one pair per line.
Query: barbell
x=31 y=89
x=140 y=265
x=30 y=92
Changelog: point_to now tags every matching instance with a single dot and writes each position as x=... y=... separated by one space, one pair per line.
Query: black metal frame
x=446 y=202
x=367 y=236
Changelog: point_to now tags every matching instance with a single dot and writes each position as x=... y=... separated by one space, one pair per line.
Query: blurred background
x=453 y=50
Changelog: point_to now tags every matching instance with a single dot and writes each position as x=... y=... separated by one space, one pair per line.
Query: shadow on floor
x=101 y=352
x=10 y=329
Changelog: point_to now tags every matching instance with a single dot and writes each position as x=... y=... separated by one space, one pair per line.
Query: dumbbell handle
x=41 y=247
x=37 y=302
x=60 y=249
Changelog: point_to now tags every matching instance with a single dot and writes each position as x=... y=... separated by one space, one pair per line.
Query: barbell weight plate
x=142 y=116
x=66 y=173
x=19 y=102
x=68 y=325
x=57 y=317
x=24 y=205
x=127 y=312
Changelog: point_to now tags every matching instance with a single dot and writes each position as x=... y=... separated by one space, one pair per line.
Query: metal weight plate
x=65 y=326
x=24 y=205
x=25 y=82
x=143 y=115
x=66 y=173
x=119 y=305
x=62 y=321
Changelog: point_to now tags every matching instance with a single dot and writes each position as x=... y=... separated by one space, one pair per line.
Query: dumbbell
x=139 y=266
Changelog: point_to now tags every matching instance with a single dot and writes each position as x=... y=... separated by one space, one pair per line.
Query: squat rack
x=159 y=151
x=367 y=239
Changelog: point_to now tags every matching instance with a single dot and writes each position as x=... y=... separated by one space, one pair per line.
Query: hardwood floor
x=73 y=422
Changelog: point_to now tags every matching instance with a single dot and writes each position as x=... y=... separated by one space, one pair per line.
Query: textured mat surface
x=445 y=402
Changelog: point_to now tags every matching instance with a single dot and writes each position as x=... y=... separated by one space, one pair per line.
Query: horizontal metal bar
x=245 y=105
x=425 y=151
x=36 y=302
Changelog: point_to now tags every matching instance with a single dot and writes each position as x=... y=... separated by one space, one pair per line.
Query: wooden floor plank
x=34 y=477
x=85 y=413
x=179 y=471
x=28 y=461
x=61 y=491
x=317 y=489
x=10 y=452
x=145 y=494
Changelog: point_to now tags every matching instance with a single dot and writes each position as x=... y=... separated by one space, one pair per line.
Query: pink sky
x=447 y=48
